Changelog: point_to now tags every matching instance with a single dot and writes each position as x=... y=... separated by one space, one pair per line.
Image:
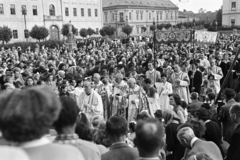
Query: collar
x=149 y=158
x=118 y=145
x=35 y=143
x=193 y=141
x=62 y=137
x=207 y=121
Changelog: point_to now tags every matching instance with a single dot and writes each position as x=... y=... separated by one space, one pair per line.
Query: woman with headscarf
x=173 y=146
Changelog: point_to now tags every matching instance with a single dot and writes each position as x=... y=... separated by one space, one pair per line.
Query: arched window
x=52 y=10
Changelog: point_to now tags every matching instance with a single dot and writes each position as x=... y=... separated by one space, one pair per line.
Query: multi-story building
x=50 y=13
x=231 y=12
x=138 y=13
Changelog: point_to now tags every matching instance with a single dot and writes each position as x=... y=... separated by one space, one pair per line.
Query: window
x=157 y=16
x=137 y=16
x=15 y=34
x=66 y=11
x=52 y=10
x=233 y=22
x=35 y=10
x=150 y=16
x=24 y=10
x=112 y=16
x=82 y=12
x=12 y=9
x=96 y=12
x=105 y=17
x=141 y=15
x=233 y=6
x=97 y=30
x=75 y=12
x=137 y=30
x=176 y=16
x=121 y=17
x=160 y=15
x=89 y=12
x=171 y=16
x=1 y=9
x=130 y=15
x=166 y=15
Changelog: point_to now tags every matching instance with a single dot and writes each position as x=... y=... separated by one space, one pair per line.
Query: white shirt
x=193 y=141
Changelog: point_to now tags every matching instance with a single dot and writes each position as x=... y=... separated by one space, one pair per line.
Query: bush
x=83 y=32
x=127 y=29
x=5 y=34
x=65 y=30
x=212 y=29
x=32 y=45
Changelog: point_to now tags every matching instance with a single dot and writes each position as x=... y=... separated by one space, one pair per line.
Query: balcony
x=52 y=18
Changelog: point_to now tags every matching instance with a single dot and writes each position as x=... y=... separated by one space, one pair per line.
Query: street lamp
x=24 y=13
x=154 y=43
x=116 y=23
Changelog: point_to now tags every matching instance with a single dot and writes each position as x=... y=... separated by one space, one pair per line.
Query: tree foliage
x=152 y=27
x=5 y=34
x=102 y=32
x=90 y=31
x=160 y=26
x=107 y=30
x=39 y=32
x=143 y=29
x=65 y=30
x=83 y=32
x=167 y=26
x=127 y=29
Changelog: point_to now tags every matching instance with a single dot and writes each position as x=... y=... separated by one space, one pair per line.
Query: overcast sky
x=195 y=5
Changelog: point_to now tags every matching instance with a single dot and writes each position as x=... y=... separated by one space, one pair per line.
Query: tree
x=160 y=26
x=152 y=27
x=102 y=32
x=206 y=25
x=144 y=29
x=179 y=25
x=167 y=26
x=5 y=34
x=127 y=29
x=219 y=17
x=90 y=31
x=39 y=32
x=65 y=30
x=108 y=30
x=83 y=32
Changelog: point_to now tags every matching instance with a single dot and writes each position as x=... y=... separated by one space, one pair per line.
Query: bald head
x=149 y=136
x=131 y=82
x=87 y=87
x=96 y=78
x=185 y=135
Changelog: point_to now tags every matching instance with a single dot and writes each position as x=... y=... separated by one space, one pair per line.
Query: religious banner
x=206 y=37
x=173 y=36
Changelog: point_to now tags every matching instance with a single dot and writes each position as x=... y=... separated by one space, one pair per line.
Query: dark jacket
x=196 y=81
x=120 y=151
x=228 y=125
x=234 y=148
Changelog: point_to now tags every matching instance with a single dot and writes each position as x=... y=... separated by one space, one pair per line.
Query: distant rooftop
x=139 y=3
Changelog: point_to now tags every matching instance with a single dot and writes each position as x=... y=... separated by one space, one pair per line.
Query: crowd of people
x=108 y=99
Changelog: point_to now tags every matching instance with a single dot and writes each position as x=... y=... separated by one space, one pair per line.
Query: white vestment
x=93 y=102
x=164 y=89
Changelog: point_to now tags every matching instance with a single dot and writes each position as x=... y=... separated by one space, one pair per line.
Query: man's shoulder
x=125 y=152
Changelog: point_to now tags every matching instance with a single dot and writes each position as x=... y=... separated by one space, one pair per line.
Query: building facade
x=50 y=13
x=138 y=14
x=231 y=12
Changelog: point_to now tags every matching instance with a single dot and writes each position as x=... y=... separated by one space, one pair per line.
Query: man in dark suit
x=196 y=104
x=213 y=131
x=149 y=139
x=234 y=148
x=188 y=139
x=227 y=124
x=195 y=76
x=116 y=129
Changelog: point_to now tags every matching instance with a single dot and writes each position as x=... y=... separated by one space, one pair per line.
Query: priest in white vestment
x=90 y=102
x=180 y=81
x=164 y=89
x=133 y=99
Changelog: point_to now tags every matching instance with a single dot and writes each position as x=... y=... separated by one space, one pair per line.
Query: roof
x=139 y=3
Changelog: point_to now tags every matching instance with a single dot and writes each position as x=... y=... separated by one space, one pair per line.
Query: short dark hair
x=229 y=93
x=132 y=126
x=116 y=126
x=149 y=135
x=236 y=109
x=203 y=114
x=28 y=114
x=148 y=81
x=68 y=114
x=176 y=98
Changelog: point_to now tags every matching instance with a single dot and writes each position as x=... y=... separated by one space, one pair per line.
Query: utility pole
x=26 y=33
